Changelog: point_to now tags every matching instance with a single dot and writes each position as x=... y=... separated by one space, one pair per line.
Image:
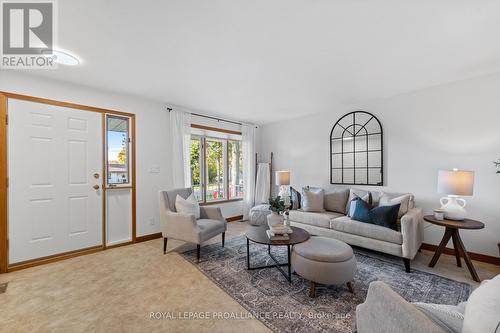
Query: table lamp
x=455 y=183
x=283 y=180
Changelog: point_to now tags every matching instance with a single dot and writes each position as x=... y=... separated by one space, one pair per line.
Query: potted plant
x=497 y=164
x=277 y=208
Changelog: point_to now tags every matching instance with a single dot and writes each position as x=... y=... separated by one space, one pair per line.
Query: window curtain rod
x=214 y=118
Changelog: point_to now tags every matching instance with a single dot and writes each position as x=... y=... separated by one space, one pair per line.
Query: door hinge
x=6 y=119
x=7 y=182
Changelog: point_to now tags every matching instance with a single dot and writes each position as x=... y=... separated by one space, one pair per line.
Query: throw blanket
x=262 y=186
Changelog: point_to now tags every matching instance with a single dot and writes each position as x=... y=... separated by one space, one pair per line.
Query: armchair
x=185 y=227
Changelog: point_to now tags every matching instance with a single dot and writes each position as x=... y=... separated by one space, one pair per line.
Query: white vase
x=453 y=207
x=274 y=219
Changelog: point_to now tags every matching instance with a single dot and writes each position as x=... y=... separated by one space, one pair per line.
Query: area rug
x=285 y=307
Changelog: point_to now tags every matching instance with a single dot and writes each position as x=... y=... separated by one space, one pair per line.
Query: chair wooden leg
x=312 y=289
x=223 y=238
x=350 y=287
x=164 y=245
x=198 y=252
x=407 y=265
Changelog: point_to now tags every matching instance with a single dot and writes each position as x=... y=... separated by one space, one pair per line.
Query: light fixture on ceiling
x=62 y=57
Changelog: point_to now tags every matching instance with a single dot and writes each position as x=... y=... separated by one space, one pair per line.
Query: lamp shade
x=282 y=178
x=456 y=182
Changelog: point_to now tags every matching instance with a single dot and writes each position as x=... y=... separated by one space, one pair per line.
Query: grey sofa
x=185 y=227
x=384 y=311
x=334 y=223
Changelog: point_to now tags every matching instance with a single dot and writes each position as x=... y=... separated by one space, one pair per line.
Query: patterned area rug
x=285 y=307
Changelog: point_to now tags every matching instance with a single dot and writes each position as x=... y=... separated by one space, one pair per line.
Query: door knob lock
x=96 y=187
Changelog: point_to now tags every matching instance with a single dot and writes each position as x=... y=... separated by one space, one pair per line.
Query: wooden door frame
x=4 y=240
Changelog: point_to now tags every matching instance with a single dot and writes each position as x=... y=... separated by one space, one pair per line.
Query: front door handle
x=96 y=187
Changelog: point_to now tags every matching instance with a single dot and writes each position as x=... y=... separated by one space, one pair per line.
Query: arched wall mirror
x=356 y=150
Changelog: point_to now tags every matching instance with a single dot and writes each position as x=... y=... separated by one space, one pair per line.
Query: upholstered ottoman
x=325 y=261
x=258 y=215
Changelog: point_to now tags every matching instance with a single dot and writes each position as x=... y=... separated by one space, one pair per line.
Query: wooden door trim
x=4 y=249
x=4 y=96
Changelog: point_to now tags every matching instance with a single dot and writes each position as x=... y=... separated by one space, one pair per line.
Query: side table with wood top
x=452 y=231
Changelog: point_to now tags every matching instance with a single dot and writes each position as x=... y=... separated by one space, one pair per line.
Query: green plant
x=497 y=164
x=276 y=205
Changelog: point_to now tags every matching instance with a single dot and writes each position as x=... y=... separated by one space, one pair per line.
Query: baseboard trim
x=234 y=218
x=474 y=256
x=53 y=258
x=149 y=237
x=77 y=253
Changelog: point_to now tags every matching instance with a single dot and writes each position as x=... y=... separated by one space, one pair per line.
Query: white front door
x=55 y=160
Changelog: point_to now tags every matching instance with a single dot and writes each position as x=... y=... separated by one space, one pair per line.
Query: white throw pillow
x=404 y=201
x=187 y=206
x=313 y=199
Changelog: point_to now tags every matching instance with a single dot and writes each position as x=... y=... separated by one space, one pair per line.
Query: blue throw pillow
x=385 y=216
x=361 y=210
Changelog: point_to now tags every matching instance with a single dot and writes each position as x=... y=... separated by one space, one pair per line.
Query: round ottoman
x=325 y=261
x=258 y=215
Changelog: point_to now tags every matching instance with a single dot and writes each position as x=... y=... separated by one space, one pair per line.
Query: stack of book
x=279 y=232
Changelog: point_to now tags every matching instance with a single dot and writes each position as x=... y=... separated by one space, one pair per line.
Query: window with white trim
x=216 y=166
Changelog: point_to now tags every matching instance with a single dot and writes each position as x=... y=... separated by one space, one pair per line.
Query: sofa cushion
x=336 y=201
x=324 y=249
x=350 y=226
x=449 y=317
x=313 y=199
x=210 y=228
x=390 y=199
x=481 y=311
x=312 y=218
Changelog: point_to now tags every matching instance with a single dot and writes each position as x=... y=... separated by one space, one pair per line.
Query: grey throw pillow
x=313 y=199
x=336 y=201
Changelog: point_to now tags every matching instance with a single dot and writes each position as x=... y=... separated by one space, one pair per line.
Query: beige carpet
x=116 y=290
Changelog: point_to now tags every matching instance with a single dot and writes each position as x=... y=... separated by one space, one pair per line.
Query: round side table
x=452 y=231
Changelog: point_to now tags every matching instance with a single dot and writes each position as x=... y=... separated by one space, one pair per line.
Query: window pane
x=235 y=162
x=215 y=170
x=118 y=149
x=196 y=167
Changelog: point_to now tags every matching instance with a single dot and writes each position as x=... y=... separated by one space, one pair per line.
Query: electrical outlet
x=152 y=221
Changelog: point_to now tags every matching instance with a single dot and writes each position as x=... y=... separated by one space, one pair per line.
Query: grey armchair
x=185 y=227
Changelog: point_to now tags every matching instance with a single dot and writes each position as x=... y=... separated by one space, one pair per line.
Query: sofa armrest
x=384 y=311
x=211 y=212
x=179 y=226
x=412 y=231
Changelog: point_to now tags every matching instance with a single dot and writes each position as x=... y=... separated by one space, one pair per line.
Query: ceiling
x=268 y=60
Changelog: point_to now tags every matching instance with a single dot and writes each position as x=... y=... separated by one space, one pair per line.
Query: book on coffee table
x=273 y=236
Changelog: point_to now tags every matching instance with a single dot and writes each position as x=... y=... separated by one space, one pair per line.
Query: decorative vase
x=453 y=207
x=274 y=219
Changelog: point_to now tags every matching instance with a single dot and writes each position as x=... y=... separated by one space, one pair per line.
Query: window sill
x=208 y=203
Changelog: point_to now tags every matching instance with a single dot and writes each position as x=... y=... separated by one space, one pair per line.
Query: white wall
x=453 y=125
x=152 y=136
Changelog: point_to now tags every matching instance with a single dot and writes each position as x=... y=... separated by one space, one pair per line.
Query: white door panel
x=54 y=153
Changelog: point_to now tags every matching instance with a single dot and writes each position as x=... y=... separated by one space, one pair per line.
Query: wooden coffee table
x=451 y=231
x=259 y=235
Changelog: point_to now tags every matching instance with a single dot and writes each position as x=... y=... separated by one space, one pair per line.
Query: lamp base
x=452 y=208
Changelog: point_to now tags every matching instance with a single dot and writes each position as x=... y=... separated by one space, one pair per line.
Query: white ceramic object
x=453 y=207
x=274 y=219
x=439 y=214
